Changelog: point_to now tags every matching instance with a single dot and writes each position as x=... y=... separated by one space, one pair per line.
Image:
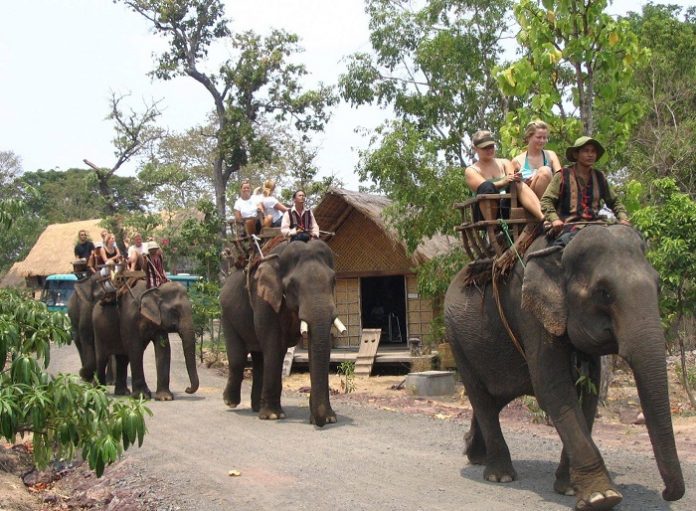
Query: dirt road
x=372 y=459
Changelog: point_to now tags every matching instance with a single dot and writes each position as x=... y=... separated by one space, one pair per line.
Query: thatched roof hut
x=52 y=253
x=376 y=283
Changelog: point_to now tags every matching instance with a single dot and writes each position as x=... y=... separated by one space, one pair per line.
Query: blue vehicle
x=185 y=279
x=57 y=291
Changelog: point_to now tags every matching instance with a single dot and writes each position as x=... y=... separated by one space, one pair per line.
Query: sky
x=60 y=60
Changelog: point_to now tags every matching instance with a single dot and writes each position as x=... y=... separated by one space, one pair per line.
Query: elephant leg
x=272 y=384
x=236 y=357
x=485 y=443
x=475 y=447
x=586 y=473
x=100 y=373
x=87 y=355
x=257 y=381
x=111 y=371
x=163 y=357
x=589 y=402
x=121 y=382
x=135 y=355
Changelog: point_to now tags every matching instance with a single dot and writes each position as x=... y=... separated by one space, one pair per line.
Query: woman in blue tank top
x=536 y=164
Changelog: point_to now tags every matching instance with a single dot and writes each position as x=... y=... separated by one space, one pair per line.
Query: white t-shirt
x=136 y=250
x=247 y=207
x=269 y=207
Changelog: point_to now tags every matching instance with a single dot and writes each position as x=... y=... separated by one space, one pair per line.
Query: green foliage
x=63 y=414
x=178 y=173
x=539 y=416
x=690 y=375
x=196 y=238
x=67 y=196
x=205 y=299
x=664 y=143
x=346 y=370
x=18 y=232
x=260 y=82
x=575 y=59
x=665 y=223
x=422 y=188
x=433 y=66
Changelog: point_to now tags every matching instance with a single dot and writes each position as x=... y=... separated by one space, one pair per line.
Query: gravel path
x=372 y=459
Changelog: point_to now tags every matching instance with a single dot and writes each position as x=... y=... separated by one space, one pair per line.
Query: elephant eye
x=602 y=296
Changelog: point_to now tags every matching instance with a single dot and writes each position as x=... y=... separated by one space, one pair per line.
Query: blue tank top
x=527 y=170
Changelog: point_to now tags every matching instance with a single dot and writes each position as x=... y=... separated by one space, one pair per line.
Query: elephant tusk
x=303 y=327
x=340 y=326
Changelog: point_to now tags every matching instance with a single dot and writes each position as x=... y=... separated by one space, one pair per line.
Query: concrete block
x=430 y=383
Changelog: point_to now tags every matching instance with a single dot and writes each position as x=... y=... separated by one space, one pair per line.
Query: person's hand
x=557 y=225
x=625 y=222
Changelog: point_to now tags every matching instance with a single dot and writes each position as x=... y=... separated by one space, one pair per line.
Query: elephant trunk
x=643 y=349
x=188 y=342
x=319 y=358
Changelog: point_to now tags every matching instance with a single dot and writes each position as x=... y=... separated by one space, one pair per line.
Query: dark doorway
x=383 y=305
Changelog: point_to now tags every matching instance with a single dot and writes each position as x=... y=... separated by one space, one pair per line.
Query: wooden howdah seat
x=484 y=239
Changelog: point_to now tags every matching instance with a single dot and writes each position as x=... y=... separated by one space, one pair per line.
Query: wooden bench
x=483 y=239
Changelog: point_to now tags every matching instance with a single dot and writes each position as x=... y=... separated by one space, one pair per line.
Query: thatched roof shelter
x=53 y=251
x=337 y=205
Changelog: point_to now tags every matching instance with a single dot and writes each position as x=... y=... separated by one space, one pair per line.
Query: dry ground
x=75 y=487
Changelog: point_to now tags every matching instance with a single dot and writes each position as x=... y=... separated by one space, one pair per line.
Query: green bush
x=64 y=414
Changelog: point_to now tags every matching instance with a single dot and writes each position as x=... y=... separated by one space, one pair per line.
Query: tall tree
x=574 y=60
x=178 y=171
x=10 y=170
x=433 y=66
x=259 y=81
x=664 y=143
x=134 y=133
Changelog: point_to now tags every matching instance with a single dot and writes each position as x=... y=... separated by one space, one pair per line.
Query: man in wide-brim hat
x=579 y=191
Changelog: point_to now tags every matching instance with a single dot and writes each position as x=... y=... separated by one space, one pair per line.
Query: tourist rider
x=537 y=164
x=298 y=223
x=578 y=192
x=491 y=175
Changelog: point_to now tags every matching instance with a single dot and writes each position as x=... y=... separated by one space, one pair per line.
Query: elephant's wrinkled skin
x=264 y=320
x=596 y=296
x=141 y=316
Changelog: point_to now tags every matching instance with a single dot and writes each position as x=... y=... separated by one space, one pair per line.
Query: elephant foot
x=87 y=374
x=164 y=395
x=329 y=419
x=599 y=501
x=142 y=393
x=232 y=398
x=122 y=391
x=271 y=414
x=495 y=474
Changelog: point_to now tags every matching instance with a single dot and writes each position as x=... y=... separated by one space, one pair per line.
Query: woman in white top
x=272 y=209
x=537 y=164
x=246 y=209
x=494 y=175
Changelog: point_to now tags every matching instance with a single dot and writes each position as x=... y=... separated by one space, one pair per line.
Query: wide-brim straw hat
x=571 y=152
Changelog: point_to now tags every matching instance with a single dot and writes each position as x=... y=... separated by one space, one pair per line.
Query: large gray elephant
x=262 y=315
x=87 y=292
x=141 y=316
x=566 y=307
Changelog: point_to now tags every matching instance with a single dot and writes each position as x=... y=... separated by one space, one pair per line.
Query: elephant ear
x=543 y=290
x=269 y=286
x=150 y=306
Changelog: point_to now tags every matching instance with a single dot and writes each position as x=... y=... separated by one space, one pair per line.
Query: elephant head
x=299 y=285
x=169 y=309
x=601 y=294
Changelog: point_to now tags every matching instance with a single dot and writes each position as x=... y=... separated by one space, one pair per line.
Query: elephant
x=88 y=291
x=565 y=307
x=126 y=327
x=263 y=311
